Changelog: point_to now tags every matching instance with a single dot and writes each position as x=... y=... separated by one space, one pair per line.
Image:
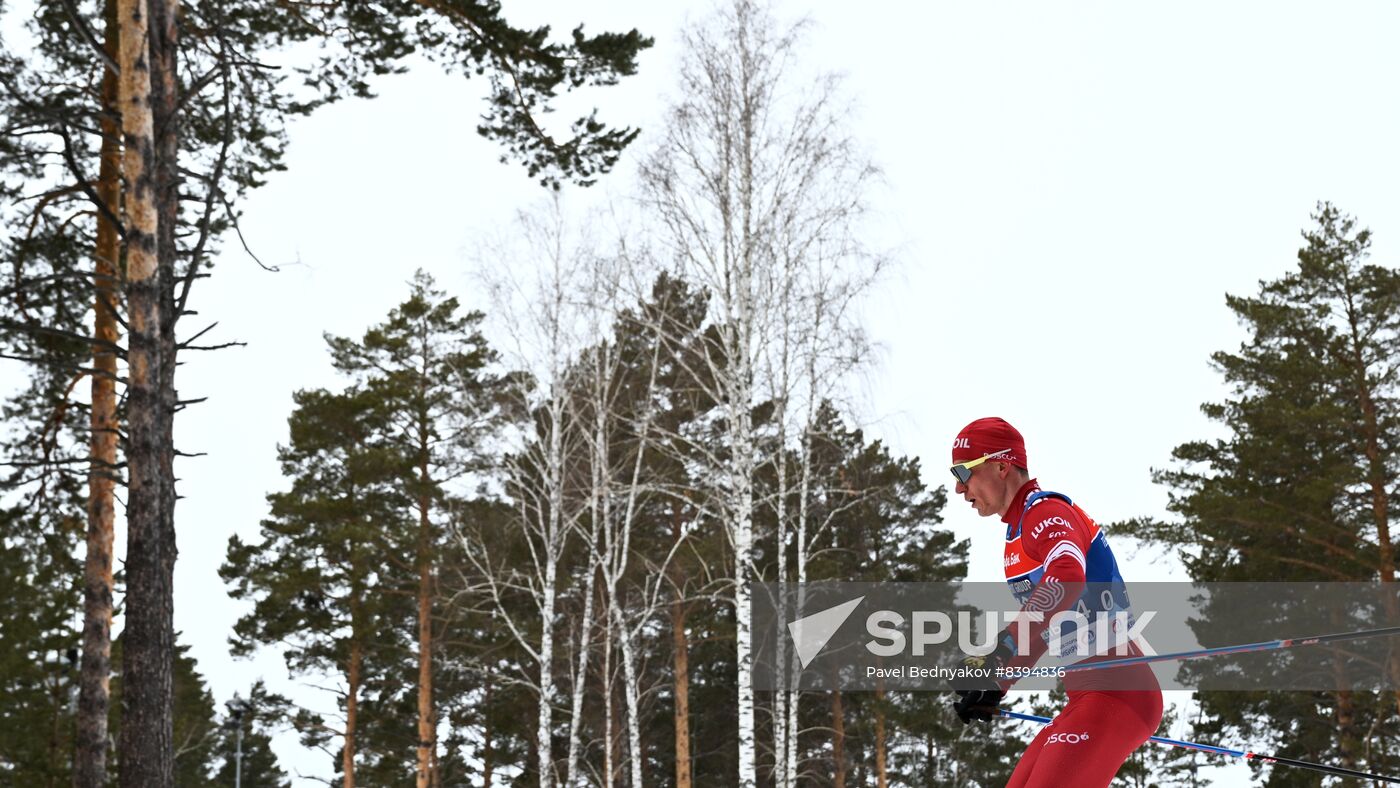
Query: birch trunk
x=633 y=701
x=555 y=479
x=146 y=738
x=545 y=726
x=743 y=557
x=782 y=729
x=804 y=487
x=581 y=674
x=609 y=738
x=618 y=531
x=94 y=696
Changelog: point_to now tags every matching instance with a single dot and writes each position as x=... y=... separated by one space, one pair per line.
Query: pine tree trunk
x=1380 y=497
x=56 y=701
x=352 y=709
x=427 y=735
x=1380 y=508
x=930 y=760
x=680 y=660
x=90 y=749
x=838 y=741
x=487 y=765
x=681 y=665
x=1346 y=707
x=1346 y=718
x=147 y=652
x=881 y=781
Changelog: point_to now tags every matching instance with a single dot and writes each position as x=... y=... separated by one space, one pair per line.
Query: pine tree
x=324 y=575
x=205 y=123
x=324 y=579
x=1299 y=488
x=430 y=370
x=481 y=665
x=679 y=535
x=195 y=730
x=38 y=647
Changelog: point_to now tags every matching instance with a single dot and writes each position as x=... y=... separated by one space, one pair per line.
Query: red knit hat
x=984 y=436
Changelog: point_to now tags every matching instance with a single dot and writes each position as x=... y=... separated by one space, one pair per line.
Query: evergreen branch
x=44 y=197
x=46 y=463
x=82 y=181
x=59 y=333
x=197 y=254
x=200 y=84
x=88 y=38
x=112 y=310
x=238 y=230
x=201 y=333
x=47 y=362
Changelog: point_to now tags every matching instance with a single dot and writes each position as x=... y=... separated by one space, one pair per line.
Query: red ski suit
x=1054 y=551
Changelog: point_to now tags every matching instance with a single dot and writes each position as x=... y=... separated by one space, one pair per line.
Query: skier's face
x=987 y=489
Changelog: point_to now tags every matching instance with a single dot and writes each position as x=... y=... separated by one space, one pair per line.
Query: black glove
x=979 y=694
x=977 y=704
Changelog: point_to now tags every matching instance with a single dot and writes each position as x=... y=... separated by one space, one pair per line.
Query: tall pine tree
x=431 y=372
x=327 y=576
x=1300 y=488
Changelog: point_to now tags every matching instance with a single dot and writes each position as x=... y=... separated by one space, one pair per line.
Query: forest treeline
x=518 y=547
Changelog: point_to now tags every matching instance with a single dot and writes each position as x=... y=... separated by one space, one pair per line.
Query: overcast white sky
x=1070 y=190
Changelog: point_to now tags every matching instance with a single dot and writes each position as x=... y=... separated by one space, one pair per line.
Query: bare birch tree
x=757 y=186
x=819 y=345
x=538 y=307
x=629 y=398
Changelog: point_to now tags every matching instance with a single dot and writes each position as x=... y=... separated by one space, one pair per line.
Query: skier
x=1052 y=551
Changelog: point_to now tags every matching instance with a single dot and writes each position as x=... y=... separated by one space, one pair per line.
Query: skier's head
x=989 y=462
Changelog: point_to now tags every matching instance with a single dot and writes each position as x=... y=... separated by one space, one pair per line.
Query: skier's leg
x=1090 y=739
x=1026 y=765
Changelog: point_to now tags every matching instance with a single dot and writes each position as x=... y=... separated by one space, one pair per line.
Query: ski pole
x=1268 y=645
x=1247 y=755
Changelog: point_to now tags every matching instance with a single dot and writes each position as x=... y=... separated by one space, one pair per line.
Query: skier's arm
x=1060 y=542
